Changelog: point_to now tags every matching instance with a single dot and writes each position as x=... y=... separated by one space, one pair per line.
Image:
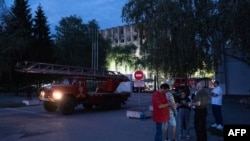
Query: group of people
x=172 y=115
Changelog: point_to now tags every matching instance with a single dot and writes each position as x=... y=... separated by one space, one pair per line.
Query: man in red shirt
x=160 y=110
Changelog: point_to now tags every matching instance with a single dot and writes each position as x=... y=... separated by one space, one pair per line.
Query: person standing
x=171 y=124
x=193 y=92
x=183 y=115
x=200 y=112
x=216 y=102
x=160 y=110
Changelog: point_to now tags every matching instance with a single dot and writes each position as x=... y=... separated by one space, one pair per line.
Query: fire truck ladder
x=46 y=68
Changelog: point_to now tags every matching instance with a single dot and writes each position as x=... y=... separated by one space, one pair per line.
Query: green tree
x=180 y=37
x=233 y=22
x=124 y=56
x=18 y=40
x=74 y=41
x=190 y=35
x=19 y=31
x=42 y=50
x=168 y=30
x=70 y=40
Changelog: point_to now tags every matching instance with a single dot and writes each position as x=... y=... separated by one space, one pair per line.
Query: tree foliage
x=180 y=37
x=124 y=56
x=25 y=38
x=234 y=28
x=71 y=35
x=74 y=41
x=17 y=39
x=42 y=49
x=19 y=31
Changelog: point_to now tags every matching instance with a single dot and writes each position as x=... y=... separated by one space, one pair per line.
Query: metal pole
x=92 y=43
x=97 y=49
x=139 y=97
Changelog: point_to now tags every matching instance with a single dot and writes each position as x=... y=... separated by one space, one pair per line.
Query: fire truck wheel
x=49 y=106
x=88 y=106
x=67 y=106
x=116 y=104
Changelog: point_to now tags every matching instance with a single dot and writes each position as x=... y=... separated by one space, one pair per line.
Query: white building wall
x=234 y=77
x=238 y=77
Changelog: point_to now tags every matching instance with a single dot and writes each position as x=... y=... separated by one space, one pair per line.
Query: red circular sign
x=138 y=75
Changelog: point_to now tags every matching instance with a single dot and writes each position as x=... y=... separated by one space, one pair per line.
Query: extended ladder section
x=46 y=68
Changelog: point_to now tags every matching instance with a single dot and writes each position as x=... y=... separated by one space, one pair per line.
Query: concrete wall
x=234 y=77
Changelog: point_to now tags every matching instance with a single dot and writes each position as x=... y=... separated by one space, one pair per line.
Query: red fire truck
x=76 y=85
x=191 y=82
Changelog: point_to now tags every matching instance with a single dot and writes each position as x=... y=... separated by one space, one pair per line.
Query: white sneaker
x=220 y=127
x=214 y=125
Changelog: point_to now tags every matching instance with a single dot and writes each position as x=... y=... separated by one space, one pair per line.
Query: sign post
x=138 y=75
x=139 y=112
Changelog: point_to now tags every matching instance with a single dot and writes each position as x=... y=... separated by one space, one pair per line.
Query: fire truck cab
x=90 y=88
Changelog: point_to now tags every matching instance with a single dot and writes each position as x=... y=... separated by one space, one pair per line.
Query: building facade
x=121 y=36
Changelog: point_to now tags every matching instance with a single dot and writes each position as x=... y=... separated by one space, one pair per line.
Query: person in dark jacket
x=200 y=112
x=183 y=116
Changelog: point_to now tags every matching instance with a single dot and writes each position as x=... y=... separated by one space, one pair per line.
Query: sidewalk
x=11 y=100
x=233 y=111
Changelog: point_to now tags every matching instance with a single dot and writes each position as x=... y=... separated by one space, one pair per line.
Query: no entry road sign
x=138 y=75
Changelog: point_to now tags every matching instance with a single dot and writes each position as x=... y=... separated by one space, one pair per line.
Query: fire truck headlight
x=42 y=93
x=57 y=95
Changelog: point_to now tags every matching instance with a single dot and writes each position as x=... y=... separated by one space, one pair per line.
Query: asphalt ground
x=235 y=112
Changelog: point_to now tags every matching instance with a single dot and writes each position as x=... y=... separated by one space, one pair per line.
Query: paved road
x=32 y=123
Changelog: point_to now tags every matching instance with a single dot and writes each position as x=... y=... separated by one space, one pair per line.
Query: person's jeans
x=159 y=130
x=216 y=109
x=183 y=120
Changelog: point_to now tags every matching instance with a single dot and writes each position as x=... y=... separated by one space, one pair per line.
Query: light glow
x=42 y=93
x=57 y=95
